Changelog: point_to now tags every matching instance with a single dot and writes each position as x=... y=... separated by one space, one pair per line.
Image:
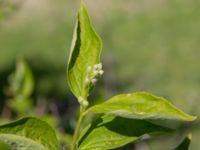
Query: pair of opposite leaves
x=110 y=132
x=127 y=112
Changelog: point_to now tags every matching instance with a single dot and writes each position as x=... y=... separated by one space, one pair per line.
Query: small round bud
x=87 y=80
x=94 y=80
x=89 y=68
x=101 y=72
x=99 y=66
x=80 y=100
x=95 y=72
x=85 y=103
x=96 y=66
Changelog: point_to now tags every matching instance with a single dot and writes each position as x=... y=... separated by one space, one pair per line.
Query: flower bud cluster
x=93 y=72
x=83 y=102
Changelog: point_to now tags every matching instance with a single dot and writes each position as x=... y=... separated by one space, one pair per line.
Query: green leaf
x=141 y=105
x=21 y=82
x=20 y=105
x=29 y=133
x=184 y=145
x=110 y=132
x=85 y=54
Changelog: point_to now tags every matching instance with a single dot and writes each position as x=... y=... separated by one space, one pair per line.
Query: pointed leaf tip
x=184 y=145
x=141 y=105
x=85 y=53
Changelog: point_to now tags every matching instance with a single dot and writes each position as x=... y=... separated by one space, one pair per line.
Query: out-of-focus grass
x=157 y=50
x=43 y=37
x=149 y=45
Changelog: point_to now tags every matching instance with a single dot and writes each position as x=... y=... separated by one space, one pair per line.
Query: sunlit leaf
x=85 y=54
x=29 y=134
x=110 y=132
x=141 y=105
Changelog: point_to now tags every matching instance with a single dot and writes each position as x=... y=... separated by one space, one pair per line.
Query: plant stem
x=77 y=129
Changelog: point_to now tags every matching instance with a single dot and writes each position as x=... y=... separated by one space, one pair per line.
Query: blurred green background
x=149 y=45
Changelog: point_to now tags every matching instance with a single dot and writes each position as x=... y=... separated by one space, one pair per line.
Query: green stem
x=77 y=129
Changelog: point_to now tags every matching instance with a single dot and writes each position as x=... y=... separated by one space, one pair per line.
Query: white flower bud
x=87 y=80
x=80 y=100
x=85 y=103
x=94 y=80
x=95 y=72
x=89 y=68
x=101 y=72
x=96 y=67
x=99 y=66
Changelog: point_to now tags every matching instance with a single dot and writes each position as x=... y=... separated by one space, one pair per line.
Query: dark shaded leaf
x=110 y=132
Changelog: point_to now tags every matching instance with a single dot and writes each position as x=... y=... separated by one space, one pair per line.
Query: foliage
x=21 y=88
x=184 y=145
x=108 y=132
x=84 y=70
x=123 y=118
x=29 y=133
